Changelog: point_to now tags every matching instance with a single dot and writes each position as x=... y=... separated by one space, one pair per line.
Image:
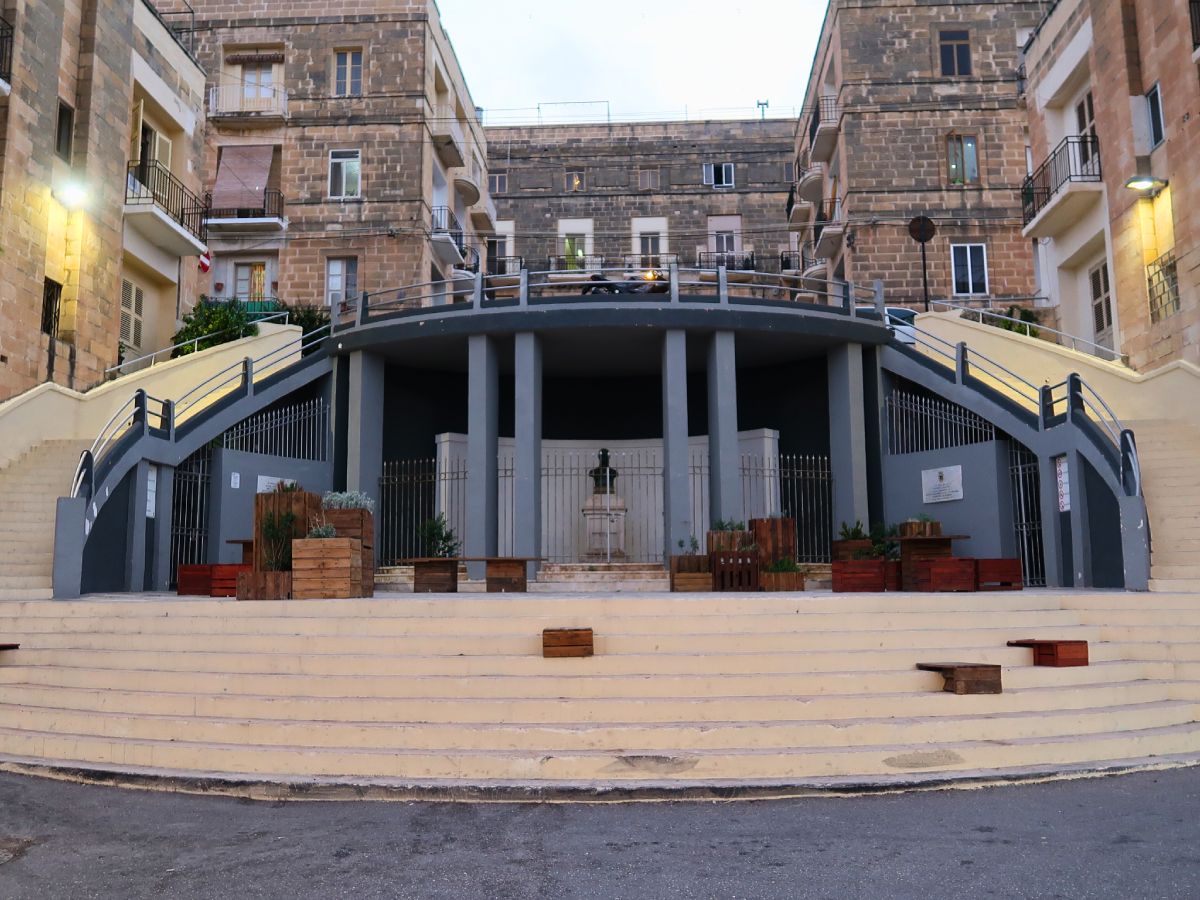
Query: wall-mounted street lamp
x=1151 y=185
x=71 y=194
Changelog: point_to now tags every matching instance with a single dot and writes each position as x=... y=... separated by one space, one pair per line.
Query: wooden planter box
x=735 y=570
x=194 y=581
x=326 y=568
x=690 y=573
x=560 y=643
x=849 y=549
x=951 y=574
x=782 y=581
x=775 y=538
x=725 y=541
x=305 y=506
x=360 y=524
x=506 y=576
x=891 y=574
x=225 y=579
x=264 y=586
x=999 y=574
x=435 y=576
x=920 y=529
x=859 y=575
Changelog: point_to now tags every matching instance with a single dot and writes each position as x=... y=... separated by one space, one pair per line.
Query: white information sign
x=268 y=483
x=1063 y=478
x=941 y=485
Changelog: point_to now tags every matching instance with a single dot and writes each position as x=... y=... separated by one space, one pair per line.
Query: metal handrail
x=995 y=315
x=977 y=356
x=285 y=314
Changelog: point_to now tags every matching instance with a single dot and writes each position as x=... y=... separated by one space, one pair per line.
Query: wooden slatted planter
x=506 y=576
x=999 y=574
x=305 y=506
x=435 y=575
x=264 y=586
x=775 y=539
x=194 y=581
x=326 y=568
x=735 y=570
x=782 y=581
x=567 y=642
x=849 y=550
x=967 y=678
x=225 y=579
x=728 y=540
x=858 y=576
x=359 y=524
x=690 y=573
x=891 y=575
x=1057 y=654
x=951 y=574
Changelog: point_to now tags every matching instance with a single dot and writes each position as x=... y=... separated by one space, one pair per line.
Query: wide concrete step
x=704 y=734
x=804 y=623
x=677 y=766
x=1175 y=585
x=1097 y=677
x=530 y=643
x=903 y=707
x=1174 y=572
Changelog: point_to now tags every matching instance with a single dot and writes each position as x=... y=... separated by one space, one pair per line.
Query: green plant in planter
x=277 y=541
x=348 y=500
x=212 y=323
x=784 y=564
x=727 y=525
x=692 y=548
x=439 y=538
x=323 y=530
x=853 y=532
x=287 y=487
x=924 y=517
x=883 y=541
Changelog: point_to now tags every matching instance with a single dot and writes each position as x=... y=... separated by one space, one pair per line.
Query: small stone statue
x=604 y=476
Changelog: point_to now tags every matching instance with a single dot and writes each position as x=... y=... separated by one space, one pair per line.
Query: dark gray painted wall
x=1104 y=527
x=231 y=510
x=107 y=548
x=984 y=513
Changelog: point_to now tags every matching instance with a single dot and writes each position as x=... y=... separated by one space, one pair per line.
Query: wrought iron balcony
x=271 y=209
x=574 y=263
x=444 y=225
x=741 y=262
x=650 y=260
x=791 y=261
x=150 y=184
x=1075 y=160
x=822 y=128
x=255 y=307
x=6 y=51
x=470 y=261
x=252 y=101
x=505 y=265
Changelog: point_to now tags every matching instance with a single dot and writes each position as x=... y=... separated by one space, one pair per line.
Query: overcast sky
x=647 y=58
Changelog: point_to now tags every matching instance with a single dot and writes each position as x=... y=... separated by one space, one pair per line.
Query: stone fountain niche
x=604 y=514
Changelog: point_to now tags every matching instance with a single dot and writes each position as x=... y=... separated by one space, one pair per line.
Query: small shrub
x=277 y=541
x=727 y=525
x=784 y=564
x=213 y=323
x=323 y=530
x=439 y=538
x=348 y=500
x=853 y=532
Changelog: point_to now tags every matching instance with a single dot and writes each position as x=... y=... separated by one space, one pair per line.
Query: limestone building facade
x=1113 y=201
x=640 y=194
x=344 y=152
x=912 y=109
x=101 y=212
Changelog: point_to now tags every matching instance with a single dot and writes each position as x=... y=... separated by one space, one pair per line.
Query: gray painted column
x=1081 y=542
x=364 y=426
x=160 y=570
x=847 y=436
x=724 y=477
x=135 y=561
x=677 y=500
x=527 y=461
x=483 y=423
x=69 y=540
x=1051 y=533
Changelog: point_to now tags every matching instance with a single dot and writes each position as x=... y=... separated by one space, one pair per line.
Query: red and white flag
x=205 y=261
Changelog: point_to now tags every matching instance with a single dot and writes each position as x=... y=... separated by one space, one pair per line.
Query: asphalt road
x=1131 y=836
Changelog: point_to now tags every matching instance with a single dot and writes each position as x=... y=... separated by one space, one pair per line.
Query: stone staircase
x=29 y=489
x=1169 y=453
x=685 y=690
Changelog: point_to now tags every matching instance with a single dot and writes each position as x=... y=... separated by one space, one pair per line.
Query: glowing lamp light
x=1146 y=183
x=72 y=195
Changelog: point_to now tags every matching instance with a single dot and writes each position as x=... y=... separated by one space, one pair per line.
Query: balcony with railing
x=1062 y=188
x=829 y=228
x=798 y=211
x=446 y=235
x=248 y=103
x=810 y=182
x=266 y=217
x=163 y=210
x=6 y=57
x=650 y=261
x=733 y=261
x=823 y=124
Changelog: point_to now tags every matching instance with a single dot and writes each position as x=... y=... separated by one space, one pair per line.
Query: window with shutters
x=649 y=179
x=1102 y=320
x=1085 y=125
x=719 y=174
x=347 y=73
x=133 y=300
x=970 y=269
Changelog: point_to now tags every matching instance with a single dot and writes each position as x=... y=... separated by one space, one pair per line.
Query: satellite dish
x=921 y=229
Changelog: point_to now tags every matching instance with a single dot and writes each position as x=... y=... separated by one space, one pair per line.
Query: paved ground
x=1133 y=836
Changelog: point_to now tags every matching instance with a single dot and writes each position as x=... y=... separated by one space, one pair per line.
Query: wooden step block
x=1058 y=654
x=562 y=642
x=967 y=678
x=999 y=574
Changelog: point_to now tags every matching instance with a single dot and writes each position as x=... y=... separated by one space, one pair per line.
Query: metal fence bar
x=1027 y=513
x=300 y=431
x=917 y=423
x=189 y=511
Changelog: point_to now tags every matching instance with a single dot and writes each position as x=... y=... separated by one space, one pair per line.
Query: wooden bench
x=564 y=642
x=967 y=678
x=1058 y=654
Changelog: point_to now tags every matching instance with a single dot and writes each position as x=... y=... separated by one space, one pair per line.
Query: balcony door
x=1085 y=123
x=250 y=282
x=1101 y=296
x=575 y=251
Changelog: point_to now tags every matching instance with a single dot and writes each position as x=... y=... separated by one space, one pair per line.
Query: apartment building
x=101 y=133
x=1113 y=201
x=912 y=110
x=344 y=153
x=702 y=194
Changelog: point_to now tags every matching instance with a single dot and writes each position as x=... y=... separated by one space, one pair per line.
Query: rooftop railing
x=150 y=182
x=1075 y=159
x=271 y=208
x=6 y=50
